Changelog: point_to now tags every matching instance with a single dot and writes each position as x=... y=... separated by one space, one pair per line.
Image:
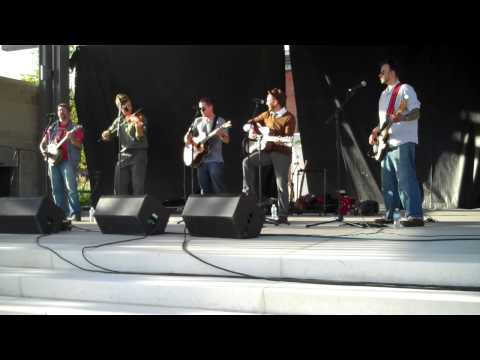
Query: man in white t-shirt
x=399 y=180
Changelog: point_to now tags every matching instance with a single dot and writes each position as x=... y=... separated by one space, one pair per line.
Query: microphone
x=259 y=101
x=358 y=86
x=51 y=114
x=327 y=79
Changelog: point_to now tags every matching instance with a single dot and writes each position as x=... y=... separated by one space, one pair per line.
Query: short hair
x=393 y=64
x=279 y=95
x=64 y=105
x=121 y=99
x=207 y=100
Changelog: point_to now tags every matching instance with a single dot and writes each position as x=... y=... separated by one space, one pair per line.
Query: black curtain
x=166 y=81
x=446 y=82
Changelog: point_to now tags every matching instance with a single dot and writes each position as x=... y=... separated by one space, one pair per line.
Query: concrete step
x=230 y=295
x=363 y=258
x=30 y=306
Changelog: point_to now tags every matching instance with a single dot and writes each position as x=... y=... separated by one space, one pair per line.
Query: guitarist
x=63 y=175
x=399 y=179
x=211 y=168
x=281 y=123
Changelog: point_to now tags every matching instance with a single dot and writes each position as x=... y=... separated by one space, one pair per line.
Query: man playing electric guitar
x=211 y=167
x=281 y=123
x=63 y=172
x=399 y=103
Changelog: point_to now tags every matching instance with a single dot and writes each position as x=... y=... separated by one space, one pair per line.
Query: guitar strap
x=393 y=99
x=214 y=125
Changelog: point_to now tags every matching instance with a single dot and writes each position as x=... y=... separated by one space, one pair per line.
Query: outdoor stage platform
x=329 y=269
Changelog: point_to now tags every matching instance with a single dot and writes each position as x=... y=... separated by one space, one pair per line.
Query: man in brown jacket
x=281 y=124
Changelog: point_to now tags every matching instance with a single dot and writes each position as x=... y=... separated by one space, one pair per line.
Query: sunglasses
x=202 y=108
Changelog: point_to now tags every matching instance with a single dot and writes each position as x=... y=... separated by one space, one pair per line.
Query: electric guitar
x=264 y=141
x=53 y=154
x=380 y=148
x=194 y=152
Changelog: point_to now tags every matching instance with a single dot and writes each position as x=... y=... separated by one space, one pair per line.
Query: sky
x=14 y=64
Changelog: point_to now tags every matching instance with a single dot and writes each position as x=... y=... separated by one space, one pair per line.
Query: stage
x=329 y=269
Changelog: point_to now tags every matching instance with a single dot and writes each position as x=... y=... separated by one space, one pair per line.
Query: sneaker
x=411 y=222
x=283 y=220
x=383 y=221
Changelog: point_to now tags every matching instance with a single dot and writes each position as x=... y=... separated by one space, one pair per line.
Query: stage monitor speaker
x=30 y=215
x=225 y=216
x=131 y=215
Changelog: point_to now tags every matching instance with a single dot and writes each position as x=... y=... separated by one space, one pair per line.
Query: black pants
x=281 y=165
x=131 y=169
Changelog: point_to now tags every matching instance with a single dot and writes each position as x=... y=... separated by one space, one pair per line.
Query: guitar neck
x=66 y=137
x=213 y=133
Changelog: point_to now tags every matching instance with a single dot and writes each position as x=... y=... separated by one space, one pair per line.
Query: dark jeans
x=132 y=172
x=211 y=178
x=399 y=182
x=281 y=165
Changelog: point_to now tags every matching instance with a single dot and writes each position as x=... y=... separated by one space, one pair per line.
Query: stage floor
x=444 y=253
x=329 y=269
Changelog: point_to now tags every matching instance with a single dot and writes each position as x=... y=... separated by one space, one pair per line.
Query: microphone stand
x=336 y=115
x=51 y=117
x=260 y=189
x=119 y=176
x=190 y=130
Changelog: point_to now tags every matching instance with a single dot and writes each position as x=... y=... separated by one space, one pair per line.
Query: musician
x=131 y=167
x=63 y=175
x=281 y=123
x=211 y=169
x=399 y=179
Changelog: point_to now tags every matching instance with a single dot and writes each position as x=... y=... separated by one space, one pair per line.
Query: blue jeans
x=399 y=182
x=211 y=178
x=64 y=182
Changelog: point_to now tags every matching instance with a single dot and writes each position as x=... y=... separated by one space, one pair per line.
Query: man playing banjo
x=61 y=146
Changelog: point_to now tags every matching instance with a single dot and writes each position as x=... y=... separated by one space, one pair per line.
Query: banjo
x=53 y=154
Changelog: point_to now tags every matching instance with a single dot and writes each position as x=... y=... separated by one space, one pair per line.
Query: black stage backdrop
x=446 y=82
x=166 y=81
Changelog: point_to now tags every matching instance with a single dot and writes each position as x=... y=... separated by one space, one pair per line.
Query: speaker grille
x=225 y=216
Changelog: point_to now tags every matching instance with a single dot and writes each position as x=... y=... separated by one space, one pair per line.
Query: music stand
x=336 y=115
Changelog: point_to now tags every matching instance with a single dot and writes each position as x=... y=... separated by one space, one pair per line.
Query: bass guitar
x=380 y=147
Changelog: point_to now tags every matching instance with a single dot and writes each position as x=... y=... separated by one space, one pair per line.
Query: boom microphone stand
x=336 y=115
x=51 y=117
x=119 y=149
x=260 y=189
x=190 y=130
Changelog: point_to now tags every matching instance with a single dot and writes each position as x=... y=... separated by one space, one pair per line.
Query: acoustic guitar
x=194 y=152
